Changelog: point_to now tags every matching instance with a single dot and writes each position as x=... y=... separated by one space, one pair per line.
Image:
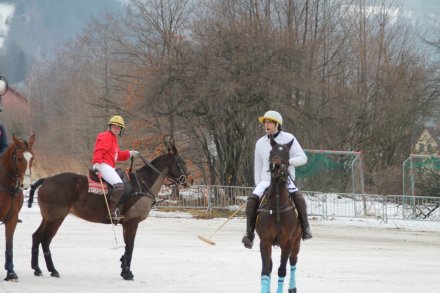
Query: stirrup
x=116 y=215
x=248 y=240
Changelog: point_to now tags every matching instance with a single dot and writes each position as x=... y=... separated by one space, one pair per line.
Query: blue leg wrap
x=9 y=265
x=292 y=283
x=265 y=284
x=280 y=284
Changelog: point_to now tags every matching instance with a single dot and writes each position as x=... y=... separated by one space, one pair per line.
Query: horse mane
x=153 y=162
x=8 y=153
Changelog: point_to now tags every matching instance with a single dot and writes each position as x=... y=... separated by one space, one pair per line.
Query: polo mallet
x=109 y=214
x=208 y=239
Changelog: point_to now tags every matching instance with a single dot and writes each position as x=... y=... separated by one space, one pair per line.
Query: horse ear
x=289 y=145
x=174 y=149
x=14 y=138
x=31 y=140
x=272 y=141
x=171 y=146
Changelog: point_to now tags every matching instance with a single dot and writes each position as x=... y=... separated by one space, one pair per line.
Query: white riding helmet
x=271 y=115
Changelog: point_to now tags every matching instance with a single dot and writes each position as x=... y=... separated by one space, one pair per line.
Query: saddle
x=264 y=206
x=94 y=177
x=96 y=188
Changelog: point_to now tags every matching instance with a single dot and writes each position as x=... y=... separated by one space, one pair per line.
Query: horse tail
x=33 y=188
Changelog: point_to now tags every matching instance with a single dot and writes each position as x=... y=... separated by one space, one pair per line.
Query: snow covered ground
x=345 y=256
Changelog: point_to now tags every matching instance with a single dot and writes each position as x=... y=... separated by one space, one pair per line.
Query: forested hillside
x=39 y=28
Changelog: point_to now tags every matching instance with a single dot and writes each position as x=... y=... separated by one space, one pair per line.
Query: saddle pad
x=96 y=188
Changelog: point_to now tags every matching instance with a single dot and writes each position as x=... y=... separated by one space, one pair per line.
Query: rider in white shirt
x=272 y=122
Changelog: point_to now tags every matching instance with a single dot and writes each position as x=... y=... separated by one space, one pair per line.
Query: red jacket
x=107 y=149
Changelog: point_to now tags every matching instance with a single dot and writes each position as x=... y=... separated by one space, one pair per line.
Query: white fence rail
x=325 y=205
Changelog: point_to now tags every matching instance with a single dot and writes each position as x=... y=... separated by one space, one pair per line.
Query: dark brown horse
x=15 y=170
x=277 y=222
x=67 y=193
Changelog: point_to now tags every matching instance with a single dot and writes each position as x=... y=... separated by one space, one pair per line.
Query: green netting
x=317 y=162
x=421 y=176
x=422 y=162
x=331 y=171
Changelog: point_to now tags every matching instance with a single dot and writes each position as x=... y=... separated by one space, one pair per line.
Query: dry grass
x=46 y=165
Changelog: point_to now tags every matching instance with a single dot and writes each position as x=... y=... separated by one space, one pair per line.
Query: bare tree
x=346 y=75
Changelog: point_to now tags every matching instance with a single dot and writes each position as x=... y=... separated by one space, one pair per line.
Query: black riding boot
x=118 y=192
x=251 y=218
x=301 y=207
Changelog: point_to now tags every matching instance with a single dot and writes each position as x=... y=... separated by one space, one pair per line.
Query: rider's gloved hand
x=133 y=153
x=95 y=167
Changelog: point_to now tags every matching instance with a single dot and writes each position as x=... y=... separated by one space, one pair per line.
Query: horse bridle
x=282 y=168
x=17 y=188
x=184 y=175
x=277 y=164
x=15 y=175
x=179 y=180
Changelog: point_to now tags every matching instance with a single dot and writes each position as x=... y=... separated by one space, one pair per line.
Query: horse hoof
x=37 y=272
x=128 y=275
x=55 y=274
x=11 y=276
x=292 y=290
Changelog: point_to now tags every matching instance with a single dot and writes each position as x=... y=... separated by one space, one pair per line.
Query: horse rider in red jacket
x=105 y=156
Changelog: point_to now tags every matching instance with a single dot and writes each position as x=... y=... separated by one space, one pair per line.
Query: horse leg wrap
x=280 y=284
x=9 y=265
x=292 y=283
x=265 y=284
x=49 y=262
x=125 y=265
x=34 y=261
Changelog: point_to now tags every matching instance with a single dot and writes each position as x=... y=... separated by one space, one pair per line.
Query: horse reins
x=180 y=180
x=278 y=209
x=13 y=176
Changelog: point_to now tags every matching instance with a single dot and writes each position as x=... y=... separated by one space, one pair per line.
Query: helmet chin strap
x=275 y=134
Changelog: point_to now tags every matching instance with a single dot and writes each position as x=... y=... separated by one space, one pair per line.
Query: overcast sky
x=425 y=14
x=6 y=11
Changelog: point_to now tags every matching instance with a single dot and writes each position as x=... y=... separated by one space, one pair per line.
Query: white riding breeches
x=109 y=174
x=263 y=185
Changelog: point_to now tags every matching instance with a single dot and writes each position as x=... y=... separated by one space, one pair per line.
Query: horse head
x=17 y=162
x=178 y=171
x=279 y=160
x=170 y=166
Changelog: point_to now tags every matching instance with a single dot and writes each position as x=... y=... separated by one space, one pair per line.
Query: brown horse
x=15 y=170
x=278 y=222
x=67 y=193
